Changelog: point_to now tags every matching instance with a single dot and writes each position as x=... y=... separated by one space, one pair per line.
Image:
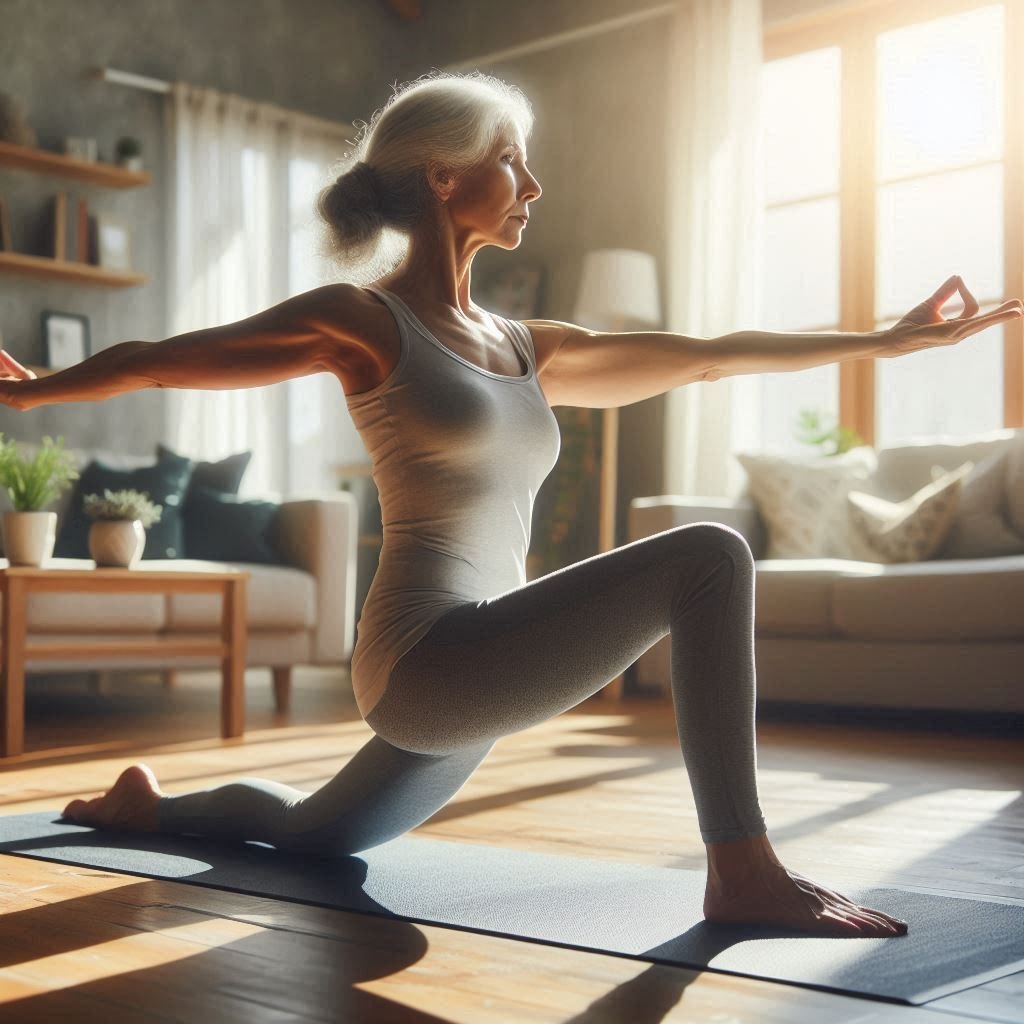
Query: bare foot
x=771 y=894
x=131 y=803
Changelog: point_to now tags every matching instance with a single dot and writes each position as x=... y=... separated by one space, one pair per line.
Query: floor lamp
x=618 y=292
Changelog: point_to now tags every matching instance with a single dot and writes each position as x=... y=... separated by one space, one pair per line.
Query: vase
x=117 y=542
x=29 y=537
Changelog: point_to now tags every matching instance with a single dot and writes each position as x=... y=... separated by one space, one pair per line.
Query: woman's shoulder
x=364 y=339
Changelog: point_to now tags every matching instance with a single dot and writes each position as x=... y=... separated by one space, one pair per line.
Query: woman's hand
x=11 y=372
x=924 y=326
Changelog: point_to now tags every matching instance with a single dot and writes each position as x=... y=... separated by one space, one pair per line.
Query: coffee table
x=148 y=576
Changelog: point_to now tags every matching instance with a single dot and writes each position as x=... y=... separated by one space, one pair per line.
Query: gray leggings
x=491 y=668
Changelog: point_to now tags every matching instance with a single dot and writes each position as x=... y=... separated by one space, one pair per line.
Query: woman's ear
x=441 y=181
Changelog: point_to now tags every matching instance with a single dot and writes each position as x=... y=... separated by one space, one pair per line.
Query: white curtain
x=242 y=181
x=714 y=236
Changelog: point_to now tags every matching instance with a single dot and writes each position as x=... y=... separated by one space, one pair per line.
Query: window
x=885 y=169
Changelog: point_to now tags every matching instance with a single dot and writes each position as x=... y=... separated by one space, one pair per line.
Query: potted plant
x=128 y=151
x=810 y=430
x=120 y=519
x=29 y=532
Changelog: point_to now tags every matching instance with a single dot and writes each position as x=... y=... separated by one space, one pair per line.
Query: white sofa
x=299 y=613
x=944 y=634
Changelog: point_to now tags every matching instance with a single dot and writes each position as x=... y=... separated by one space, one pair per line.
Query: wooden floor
x=848 y=803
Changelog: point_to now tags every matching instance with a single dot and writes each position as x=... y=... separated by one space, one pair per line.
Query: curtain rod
x=339 y=128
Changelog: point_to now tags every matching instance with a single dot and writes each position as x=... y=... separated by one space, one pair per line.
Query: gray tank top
x=459 y=454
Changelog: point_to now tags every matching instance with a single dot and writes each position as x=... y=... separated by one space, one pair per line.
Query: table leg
x=233 y=636
x=12 y=635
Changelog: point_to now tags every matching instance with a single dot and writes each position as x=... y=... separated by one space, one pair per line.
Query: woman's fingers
x=9 y=363
x=1008 y=311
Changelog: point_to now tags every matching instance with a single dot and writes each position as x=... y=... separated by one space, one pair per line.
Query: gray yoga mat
x=646 y=913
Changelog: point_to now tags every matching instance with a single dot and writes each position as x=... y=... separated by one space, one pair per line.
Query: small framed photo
x=65 y=338
x=514 y=291
x=113 y=243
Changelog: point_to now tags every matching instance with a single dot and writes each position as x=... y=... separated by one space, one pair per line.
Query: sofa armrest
x=648 y=516
x=320 y=534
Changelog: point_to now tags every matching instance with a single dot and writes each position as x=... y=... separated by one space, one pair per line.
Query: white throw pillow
x=980 y=527
x=1015 y=484
x=802 y=499
x=905 y=531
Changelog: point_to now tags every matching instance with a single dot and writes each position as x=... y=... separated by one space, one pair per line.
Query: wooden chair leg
x=282 y=686
x=170 y=677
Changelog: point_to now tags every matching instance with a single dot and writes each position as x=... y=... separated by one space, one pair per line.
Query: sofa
x=300 y=611
x=942 y=632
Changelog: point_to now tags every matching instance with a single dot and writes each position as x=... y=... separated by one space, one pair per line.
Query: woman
x=455 y=649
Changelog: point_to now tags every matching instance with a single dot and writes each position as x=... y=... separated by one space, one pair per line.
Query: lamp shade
x=618 y=286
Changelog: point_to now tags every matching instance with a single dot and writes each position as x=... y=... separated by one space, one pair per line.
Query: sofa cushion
x=1015 y=484
x=225 y=475
x=981 y=527
x=905 y=531
x=793 y=597
x=906 y=467
x=230 y=529
x=935 y=600
x=277 y=597
x=165 y=482
x=802 y=499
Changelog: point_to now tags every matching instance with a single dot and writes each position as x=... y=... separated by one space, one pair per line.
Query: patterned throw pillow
x=1015 y=484
x=802 y=499
x=905 y=531
x=981 y=527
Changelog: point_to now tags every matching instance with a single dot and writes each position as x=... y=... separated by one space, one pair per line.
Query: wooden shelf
x=67 y=270
x=94 y=172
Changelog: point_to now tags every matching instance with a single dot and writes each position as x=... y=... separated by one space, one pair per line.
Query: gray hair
x=380 y=192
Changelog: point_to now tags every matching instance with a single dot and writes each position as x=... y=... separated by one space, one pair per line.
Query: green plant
x=122 y=505
x=34 y=483
x=127 y=147
x=810 y=430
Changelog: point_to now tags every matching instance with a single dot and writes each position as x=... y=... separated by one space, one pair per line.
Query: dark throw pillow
x=225 y=475
x=226 y=528
x=165 y=483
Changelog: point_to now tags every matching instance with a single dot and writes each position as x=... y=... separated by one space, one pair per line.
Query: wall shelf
x=67 y=270
x=94 y=172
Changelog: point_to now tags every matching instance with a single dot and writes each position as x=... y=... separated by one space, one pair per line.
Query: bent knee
x=717 y=539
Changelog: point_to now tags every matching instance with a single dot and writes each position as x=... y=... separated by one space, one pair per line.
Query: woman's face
x=489 y=202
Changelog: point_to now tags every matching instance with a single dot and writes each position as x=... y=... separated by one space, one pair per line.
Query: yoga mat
x=646 y=913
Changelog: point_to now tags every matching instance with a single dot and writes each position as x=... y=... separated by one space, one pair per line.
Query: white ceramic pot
x=29 y=537
x=117 y=542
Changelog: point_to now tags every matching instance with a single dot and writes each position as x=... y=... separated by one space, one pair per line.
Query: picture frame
x=66 y=340
x=514 y=291
x=113 y=243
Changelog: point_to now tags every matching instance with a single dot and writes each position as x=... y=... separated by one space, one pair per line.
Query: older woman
x=454 y=648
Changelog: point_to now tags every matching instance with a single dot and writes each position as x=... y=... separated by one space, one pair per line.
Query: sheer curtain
x=715 y=232
x=242 y=181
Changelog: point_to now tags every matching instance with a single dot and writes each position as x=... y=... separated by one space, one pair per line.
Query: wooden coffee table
x=148 y=576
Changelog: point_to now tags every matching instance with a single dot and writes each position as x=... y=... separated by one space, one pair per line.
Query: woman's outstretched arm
x=298 y=336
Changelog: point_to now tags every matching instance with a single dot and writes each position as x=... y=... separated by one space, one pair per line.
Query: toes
x=75 y=809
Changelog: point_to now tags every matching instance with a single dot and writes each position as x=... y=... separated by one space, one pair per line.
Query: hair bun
x=363 y=183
